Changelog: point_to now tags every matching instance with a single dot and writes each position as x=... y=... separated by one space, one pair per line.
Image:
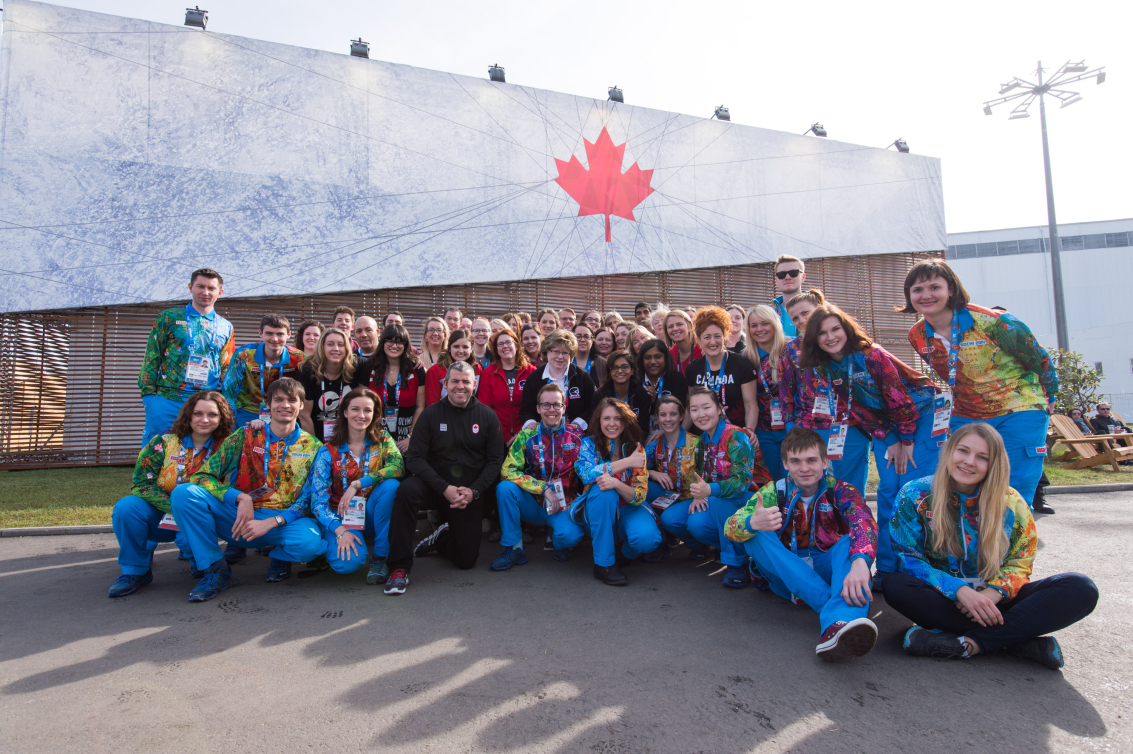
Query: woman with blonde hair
x=326 y=376
x=965 y=541
x=657 y=322
x=678 y=331
x=433 y=342
x=765 y=341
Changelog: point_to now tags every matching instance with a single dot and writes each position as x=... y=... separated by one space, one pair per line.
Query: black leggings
x=1039 y=608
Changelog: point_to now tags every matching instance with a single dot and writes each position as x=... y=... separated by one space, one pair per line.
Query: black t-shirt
x=325 y=396
x=510 y=375
x=399 y=423
x=735 y=372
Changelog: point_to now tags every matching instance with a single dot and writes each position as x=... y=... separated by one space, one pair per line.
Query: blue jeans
x=516 y=505
x=853 y=467
x=378 y=508
x=135 y=525
x=771 y=444
x=1024 y=435
x=204 y=518
x=707 y=527
x=610 y=522
x=925 y=454
x=160 y=415
x=820 y=586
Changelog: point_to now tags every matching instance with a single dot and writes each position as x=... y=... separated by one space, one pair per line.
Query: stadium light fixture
x=496 y=73
x=616 y=94
x=196 y=17
x=902 y=146
x=1028 y=92
x=359 y=49
x=817 y=129
x=722 y=113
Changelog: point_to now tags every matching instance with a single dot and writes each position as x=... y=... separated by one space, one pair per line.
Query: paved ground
x=543 y=658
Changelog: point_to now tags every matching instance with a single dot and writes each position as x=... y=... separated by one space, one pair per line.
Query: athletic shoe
x=561 y=556
x=757 y=579
x=378 y=572
x=843 y=640
x=265 y=551
x=736 y=577
x=129 y=583
x=548 y=545
x=508 y=557
x=1042 y=649
x=315 y=566
x=211 y=585
x=494 y=536
x=697 y=551
x=279 y=570
x=940 y=645
x=663 y=551
x=398 y=580
x=232 y=553
x=528 y=537
x=610 y=575
x=429 y=543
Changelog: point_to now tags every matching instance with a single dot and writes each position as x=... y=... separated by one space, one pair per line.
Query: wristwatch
x=356 y=484
x=280 y=521
x=475 y=494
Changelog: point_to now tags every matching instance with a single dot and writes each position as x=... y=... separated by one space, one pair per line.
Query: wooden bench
x=1086 y=451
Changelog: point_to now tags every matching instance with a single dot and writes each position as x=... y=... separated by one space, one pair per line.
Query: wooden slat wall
x=68 y=379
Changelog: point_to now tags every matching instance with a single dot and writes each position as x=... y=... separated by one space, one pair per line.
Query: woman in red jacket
x=459 y=349
x=501 y=385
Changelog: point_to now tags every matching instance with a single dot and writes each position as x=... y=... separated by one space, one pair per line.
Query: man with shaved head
x=366 y=336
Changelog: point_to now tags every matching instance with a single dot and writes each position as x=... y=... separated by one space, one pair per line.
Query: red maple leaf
x=604 y=189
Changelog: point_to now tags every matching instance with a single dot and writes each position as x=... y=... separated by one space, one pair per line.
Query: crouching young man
x=539 y=484
x=253 y=492
x=814 y=540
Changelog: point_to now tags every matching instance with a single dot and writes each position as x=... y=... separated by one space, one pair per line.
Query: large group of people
x=744 y=433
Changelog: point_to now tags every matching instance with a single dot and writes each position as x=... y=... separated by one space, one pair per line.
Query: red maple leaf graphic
x=604 y=189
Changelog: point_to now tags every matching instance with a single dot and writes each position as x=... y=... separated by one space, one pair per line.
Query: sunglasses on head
x=787 y=273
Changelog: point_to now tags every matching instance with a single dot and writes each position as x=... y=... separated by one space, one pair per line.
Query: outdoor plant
x=1077 y=382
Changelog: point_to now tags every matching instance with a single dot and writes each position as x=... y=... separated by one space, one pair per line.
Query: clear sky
x=868 y=71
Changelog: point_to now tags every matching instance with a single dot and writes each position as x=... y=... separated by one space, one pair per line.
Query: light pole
x=1028 y=91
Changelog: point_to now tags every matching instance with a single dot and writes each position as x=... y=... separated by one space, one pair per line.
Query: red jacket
x=435 y=383
x=681 y=366
x=494 y=394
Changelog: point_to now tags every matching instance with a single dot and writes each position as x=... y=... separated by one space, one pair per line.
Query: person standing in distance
x=453 y=318
x=455 y=454
x=642 y=315
x=343 y=318
x=790 y=272
x=188 y=349
x=567 y=318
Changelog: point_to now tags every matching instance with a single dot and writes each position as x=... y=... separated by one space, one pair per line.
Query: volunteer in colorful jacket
x=142 y=518
x=727 y=469
x=612 y=466
x=890 y=406
x=731 y=376
x=813 y=539
x=966 y=542
x=353 y=483
x=256 y=366
x=996 y=371
x=189 y=349
x=766 y=342
x=502 y=383
x=252 y=492
x=539 y=484
x=671 y=462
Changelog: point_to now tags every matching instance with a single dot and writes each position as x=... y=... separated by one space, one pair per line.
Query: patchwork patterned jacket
x=178 y=335
x=1000 y=369
x=888 y=395
x=156 y=471
x=730 y=464
x=384 y=462
x=767 y=387
x=678 y=463
x=911 y=527
x=538 y=455
x=238 y=466
x=591 y=465
x=242 y=381
x=837 y=510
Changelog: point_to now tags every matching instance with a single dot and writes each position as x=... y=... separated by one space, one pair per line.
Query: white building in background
x=1011 y=268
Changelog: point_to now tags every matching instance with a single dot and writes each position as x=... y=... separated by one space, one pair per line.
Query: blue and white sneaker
x=279 y=570
x=508 y=557
x=429 y=543
x=736 y=577
x=129 y=583
x=211 y=585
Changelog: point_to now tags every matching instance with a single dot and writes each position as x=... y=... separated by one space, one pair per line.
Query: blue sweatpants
x=610 y=522
x=160 y=415
x=1024 y=436
x=771 y=444
x=853 y=467
x=517 y=505
x=204 y=518
x=820 y=586
x=925 y=454
x=244 y=418
x=707 y=527
x=379 y=505
x=135 y=525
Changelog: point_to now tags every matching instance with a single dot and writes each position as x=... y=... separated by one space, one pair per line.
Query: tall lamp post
x=1027 y=92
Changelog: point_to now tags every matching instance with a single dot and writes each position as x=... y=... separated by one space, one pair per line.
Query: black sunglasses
x=787 y=273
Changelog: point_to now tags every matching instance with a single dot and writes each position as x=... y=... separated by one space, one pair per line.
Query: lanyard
x=957 y=568
x=796 y=496
x=181 y=453
x=954 y=349
x=764 y=358
x=670 y=452
x=548 y=474
x=363 y=466
x=263 y=371
x=832 y=398
x=267 y=457
x=396 y=390
x=714 y=379
x=711 y=451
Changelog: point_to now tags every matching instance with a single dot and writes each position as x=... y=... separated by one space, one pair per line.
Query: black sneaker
x=1042 y=649
x=398 y=581
x=128 y=583
x=232 y=553
x=610 y=575
x=429 y=543
x=940 y=645
x=279 y=570
x=548 y=545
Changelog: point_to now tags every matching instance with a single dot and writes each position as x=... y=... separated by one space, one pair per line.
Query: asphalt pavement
x=542 y=658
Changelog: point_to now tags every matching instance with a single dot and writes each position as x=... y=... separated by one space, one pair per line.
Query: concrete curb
x=51 y=531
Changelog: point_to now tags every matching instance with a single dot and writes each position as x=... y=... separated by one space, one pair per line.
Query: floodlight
x=196 y=17
x=359 y=49
x=616 y=94
x=902 y=146
x=496 y=73
x=1005 y=88
x=1017 y=116
x=817 y=129
x=1101 y=77
x=1071 y=101
x=722 y=113
x=1076 y=67
x=987 y=109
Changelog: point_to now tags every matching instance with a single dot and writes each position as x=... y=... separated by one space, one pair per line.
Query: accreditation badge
x=197 y=370
x=777 y=415
x=941 y=413
x=168 y=523
x=355 y=517
x=836 y=443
